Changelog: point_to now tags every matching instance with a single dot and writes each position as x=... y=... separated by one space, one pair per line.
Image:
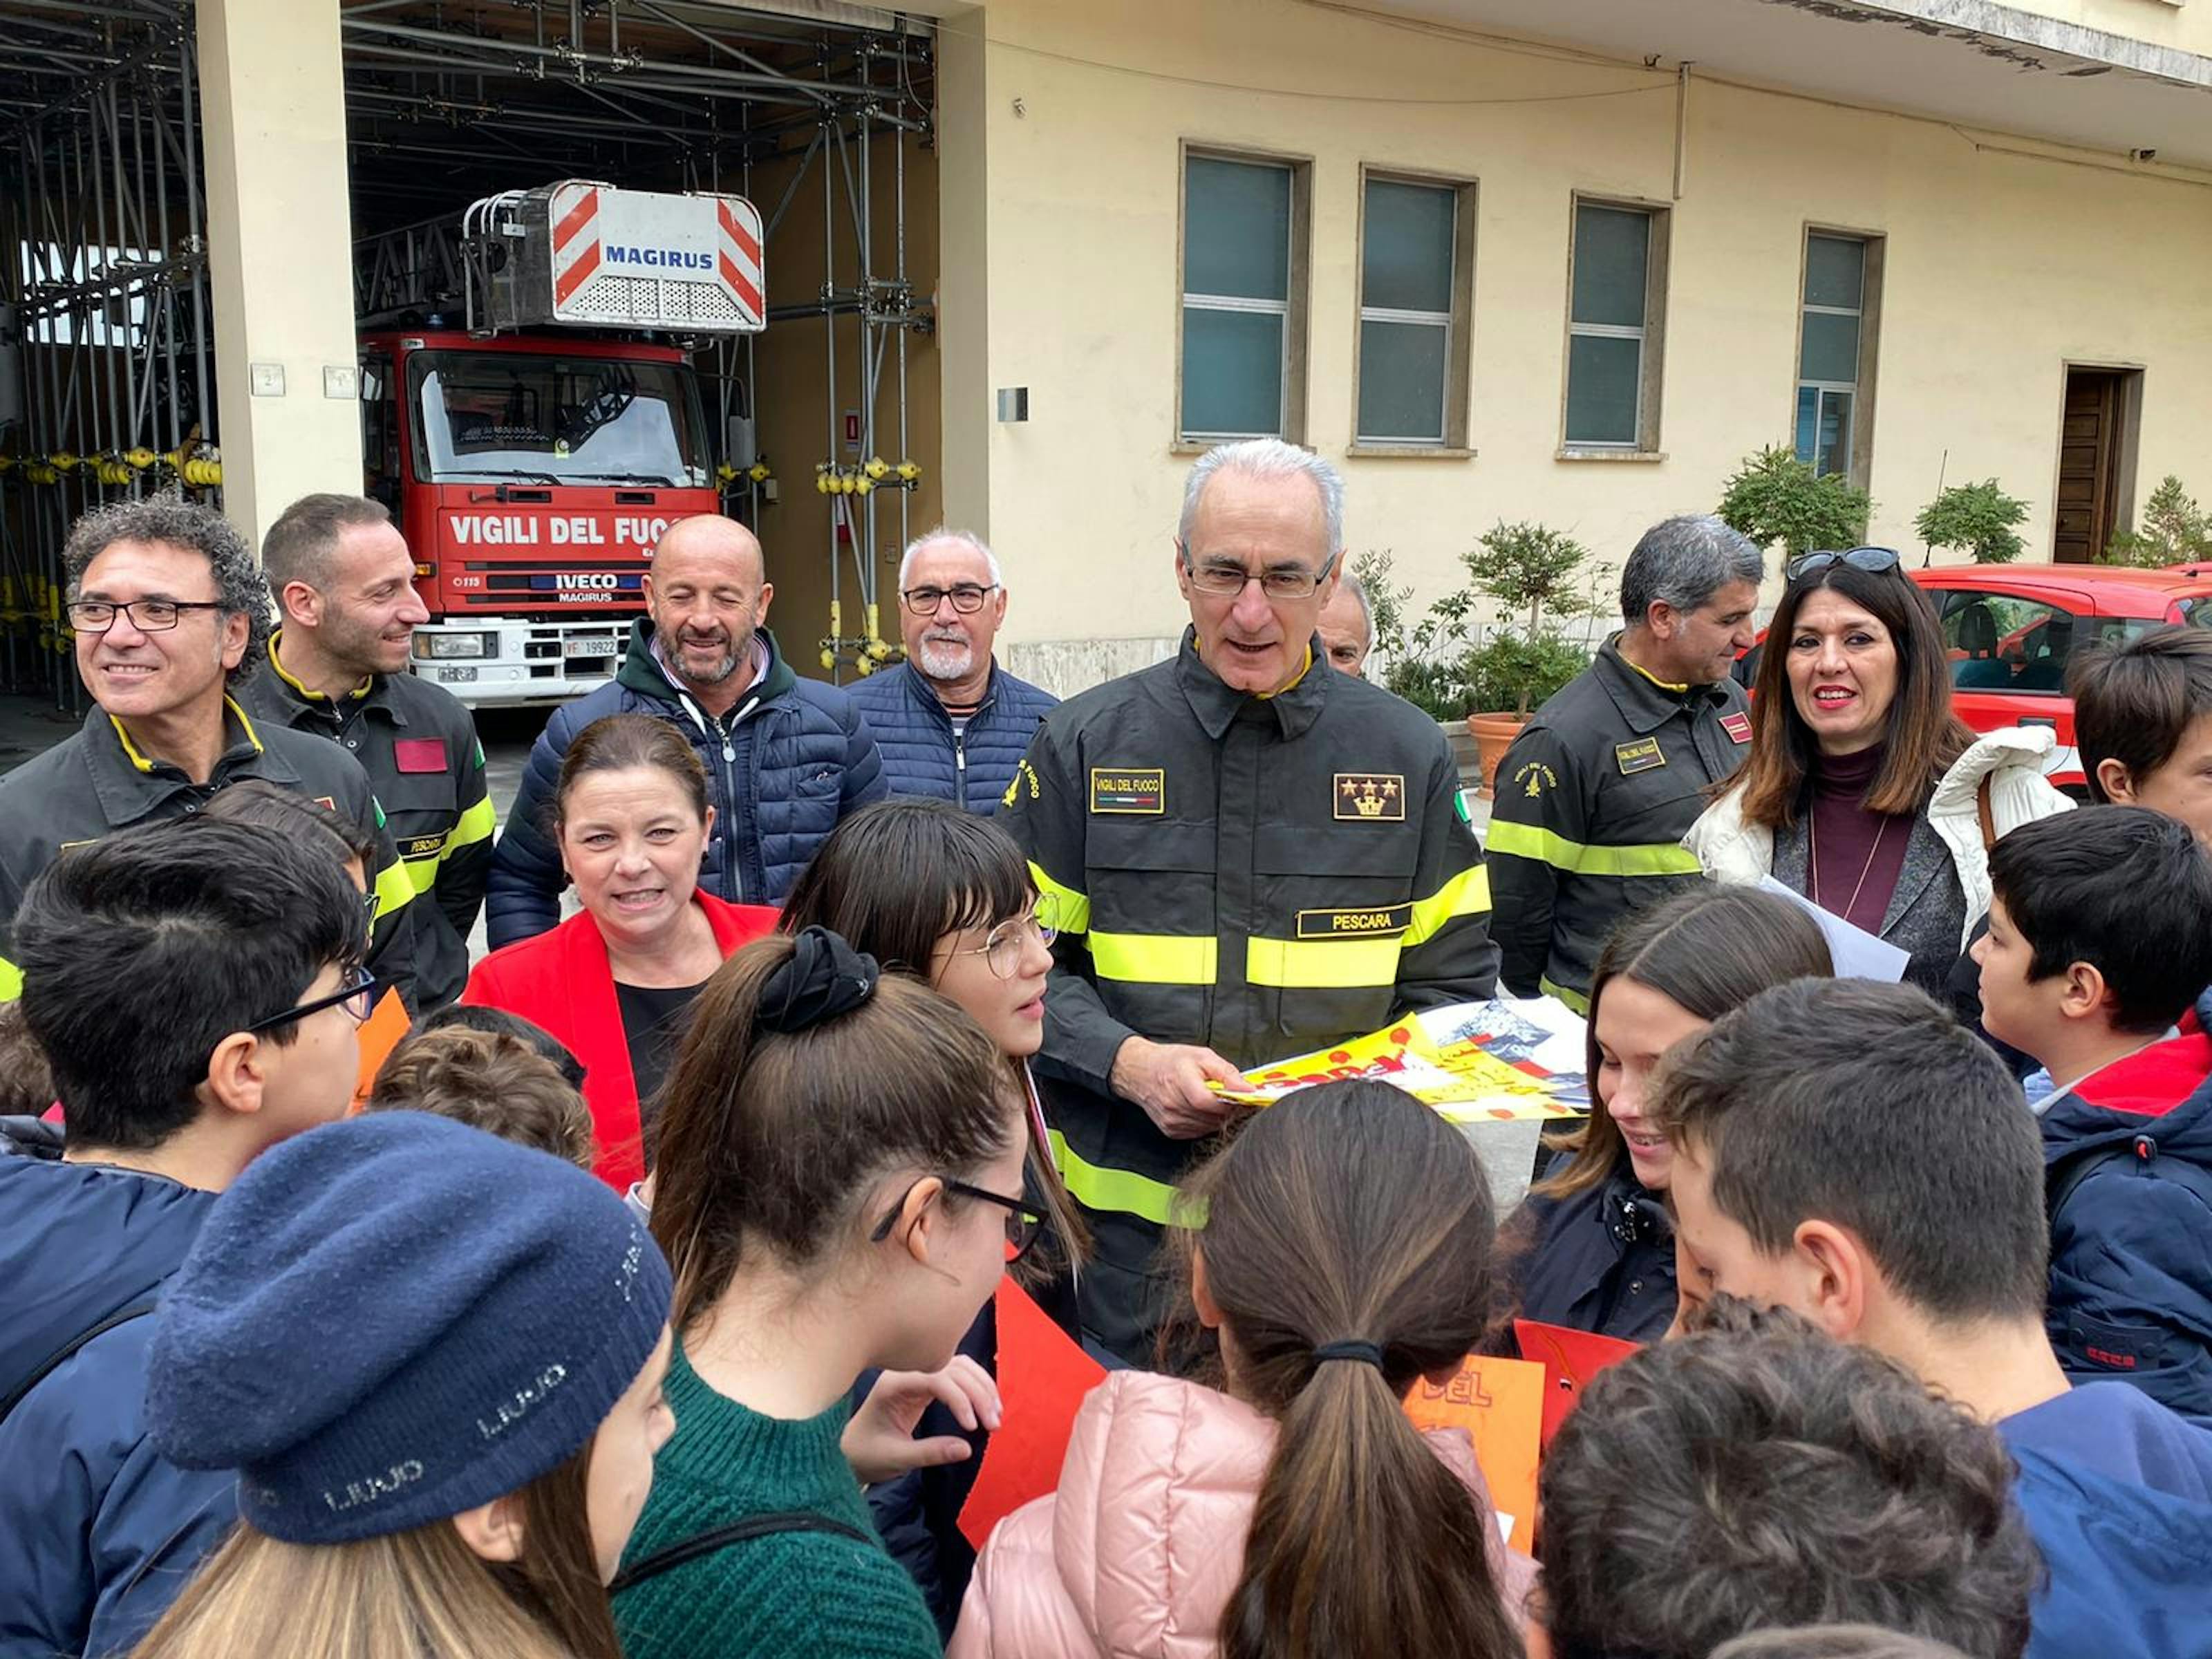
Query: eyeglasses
x=967 y=598
x=1875 y=561
x=1001 y=950
x=147 y=616
x=1022 y=1223
x=357 y=997
x=1225 y=579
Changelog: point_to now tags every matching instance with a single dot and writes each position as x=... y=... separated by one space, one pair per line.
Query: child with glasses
x=838 y=1185
x=931 y=890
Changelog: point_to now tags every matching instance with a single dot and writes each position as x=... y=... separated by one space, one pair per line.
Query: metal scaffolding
x=106 y=367
x=104 y=356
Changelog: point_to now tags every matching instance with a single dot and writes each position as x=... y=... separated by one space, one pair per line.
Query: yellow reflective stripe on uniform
x=1320 y=964
x=1118 y=1190
x=473 y=826
x=1072 y=910
x=395 y=888
x=1154 y=958
x=1466 y=894
x=422 y=874
x=1528 y=840
x=11 y=981
x=1574 y=999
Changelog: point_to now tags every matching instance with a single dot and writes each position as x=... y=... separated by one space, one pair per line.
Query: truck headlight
x=455 y=644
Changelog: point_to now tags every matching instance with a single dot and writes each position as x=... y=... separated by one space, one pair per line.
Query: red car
x=2010 y=628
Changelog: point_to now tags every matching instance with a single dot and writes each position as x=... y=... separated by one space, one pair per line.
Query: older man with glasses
x=170 y=615
x=949 y=723
x=1249 y=855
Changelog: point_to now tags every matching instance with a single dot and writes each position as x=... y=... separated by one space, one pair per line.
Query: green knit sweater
x=807 y=1594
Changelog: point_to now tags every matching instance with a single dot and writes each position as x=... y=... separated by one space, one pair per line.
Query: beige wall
x=792 y=399
x=280 y=252
x=2001 y=269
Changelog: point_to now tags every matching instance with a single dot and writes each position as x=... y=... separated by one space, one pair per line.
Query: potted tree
x=1531 y=568
x=2175 y=530
x=1978 y=517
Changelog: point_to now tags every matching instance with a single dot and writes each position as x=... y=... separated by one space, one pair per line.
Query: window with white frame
x=1243 y=304
x=1614 y=326
x=1835 y=348
x=1414 y=297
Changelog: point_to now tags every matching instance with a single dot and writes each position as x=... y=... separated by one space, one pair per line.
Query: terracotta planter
x=1493 y=736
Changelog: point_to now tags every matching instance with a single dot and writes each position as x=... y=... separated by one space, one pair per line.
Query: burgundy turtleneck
x=1852 y=842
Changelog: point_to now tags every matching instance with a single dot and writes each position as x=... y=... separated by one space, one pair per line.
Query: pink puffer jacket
x=1135 y=1556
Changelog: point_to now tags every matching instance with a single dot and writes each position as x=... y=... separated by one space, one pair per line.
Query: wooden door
x=2088 y=465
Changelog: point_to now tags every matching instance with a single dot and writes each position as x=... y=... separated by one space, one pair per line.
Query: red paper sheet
x=1570 y=1358
x=1043 y=1377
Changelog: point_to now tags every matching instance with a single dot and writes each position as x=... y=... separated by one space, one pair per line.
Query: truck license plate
x=455 y=673
x=603 y=646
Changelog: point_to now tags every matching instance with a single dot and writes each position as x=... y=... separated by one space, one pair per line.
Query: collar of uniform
x=299 y=690
x=1295 y=707
x=1644 y=703
x=128 y=785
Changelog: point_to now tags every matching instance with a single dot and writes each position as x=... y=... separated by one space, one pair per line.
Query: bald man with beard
x=786 y=757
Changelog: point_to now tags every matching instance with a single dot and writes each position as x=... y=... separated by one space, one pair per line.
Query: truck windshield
x=490 y=415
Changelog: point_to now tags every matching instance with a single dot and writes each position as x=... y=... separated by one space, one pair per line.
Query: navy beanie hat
x=395 y=1318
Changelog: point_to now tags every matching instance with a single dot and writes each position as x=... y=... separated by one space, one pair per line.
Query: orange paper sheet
x=379 y=1036
x=1500 y=1404
x=1043 y=1377
x=1569 y=1359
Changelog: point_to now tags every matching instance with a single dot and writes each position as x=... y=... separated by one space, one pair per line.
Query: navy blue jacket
x=922 y=756
x=1602 y=1260
x=2116 y=1492
x=2132 y=1243
x=785 y=764
x=98 y=1532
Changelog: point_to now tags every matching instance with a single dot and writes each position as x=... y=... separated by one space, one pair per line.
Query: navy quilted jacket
x=789 y=762
x=921 y=756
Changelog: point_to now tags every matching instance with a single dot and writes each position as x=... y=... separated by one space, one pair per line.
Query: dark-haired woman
x=614 y=983
x=838 y=1185
x=1294 y=1509
x=1863 y=791
x=930 y=890
x=1592 y=1247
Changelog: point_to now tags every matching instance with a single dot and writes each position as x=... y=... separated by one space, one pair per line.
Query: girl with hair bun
x=1292 y=1510
x=931 y=891
x=838 y=1185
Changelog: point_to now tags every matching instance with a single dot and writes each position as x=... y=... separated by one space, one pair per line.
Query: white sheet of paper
x=1858 y=954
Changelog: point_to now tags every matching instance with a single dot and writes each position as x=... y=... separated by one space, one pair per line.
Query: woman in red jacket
x=616 y=981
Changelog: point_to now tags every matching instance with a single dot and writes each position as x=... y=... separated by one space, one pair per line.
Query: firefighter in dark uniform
x=337 y=669
x=169 y=610
x=1593 y=799
x=1248 y=856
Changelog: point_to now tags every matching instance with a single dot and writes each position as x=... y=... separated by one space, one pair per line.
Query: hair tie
x=1367 y=1354
x=823 y=978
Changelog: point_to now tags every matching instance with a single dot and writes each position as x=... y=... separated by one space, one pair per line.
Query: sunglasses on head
x=1875 y=561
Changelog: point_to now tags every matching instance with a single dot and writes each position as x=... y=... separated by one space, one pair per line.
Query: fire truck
x=533 y=447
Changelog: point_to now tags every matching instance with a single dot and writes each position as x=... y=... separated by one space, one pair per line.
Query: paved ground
x=29 y=725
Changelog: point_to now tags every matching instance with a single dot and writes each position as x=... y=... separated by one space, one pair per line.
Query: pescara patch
x=1389 y=920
